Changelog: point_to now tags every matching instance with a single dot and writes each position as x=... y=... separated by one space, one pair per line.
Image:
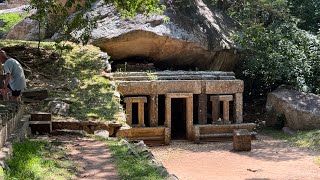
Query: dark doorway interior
x=178 y=118
x=135 y=113
x=161 y=109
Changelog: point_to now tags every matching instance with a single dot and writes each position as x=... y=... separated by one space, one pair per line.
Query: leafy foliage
x=308 y=11
x=11 y=19
x=276 y=51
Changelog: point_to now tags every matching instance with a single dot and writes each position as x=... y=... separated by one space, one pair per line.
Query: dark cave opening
x=141 y=63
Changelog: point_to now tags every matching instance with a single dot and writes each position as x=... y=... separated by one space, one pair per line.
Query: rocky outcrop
x=27 y=29
x=195 y=36
x=301 y=110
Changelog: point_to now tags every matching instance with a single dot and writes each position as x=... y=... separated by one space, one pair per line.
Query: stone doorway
x=187 y=104
x=178 y=119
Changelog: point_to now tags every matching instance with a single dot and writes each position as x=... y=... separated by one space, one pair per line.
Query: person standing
x=15 y=80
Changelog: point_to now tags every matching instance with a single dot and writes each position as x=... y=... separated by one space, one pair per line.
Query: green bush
x=281 y=54
x=11 y=19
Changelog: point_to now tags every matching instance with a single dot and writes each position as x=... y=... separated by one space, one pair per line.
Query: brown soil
x=269 y=159
x=92 y=158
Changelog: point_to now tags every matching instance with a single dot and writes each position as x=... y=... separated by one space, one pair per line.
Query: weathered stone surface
x=102 y=133
x=195 y=36
x=27 y=29
x=241 y=140
x=40 y=116
x=59 y=107
x=302 y=110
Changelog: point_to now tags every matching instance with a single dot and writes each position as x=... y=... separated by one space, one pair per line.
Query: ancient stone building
x=189 y=105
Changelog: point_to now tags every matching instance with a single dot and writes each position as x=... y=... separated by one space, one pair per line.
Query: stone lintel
x=225 y=98
x=190 y=86
x=135 y=99
x=179 y=95
x=224 y=87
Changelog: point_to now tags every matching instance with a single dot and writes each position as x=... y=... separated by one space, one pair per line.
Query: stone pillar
x=167 y=122
x=129 y=112
x=167 y=136
x=215 y=108
x=141 y=114
x=153 y=110
x=226 y=119
x=140 y=101
x=202 y=109
x=238 y=107
x=189 y=116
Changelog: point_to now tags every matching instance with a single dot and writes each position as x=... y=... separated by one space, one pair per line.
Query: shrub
x=281 y=54
x=11 y=19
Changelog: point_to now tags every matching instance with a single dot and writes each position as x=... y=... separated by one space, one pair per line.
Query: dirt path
x=93 y=158
x=269 y=159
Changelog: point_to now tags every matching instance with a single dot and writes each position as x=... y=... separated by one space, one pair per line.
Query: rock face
x=26 y=29
x=196 y=36
x=301 y=110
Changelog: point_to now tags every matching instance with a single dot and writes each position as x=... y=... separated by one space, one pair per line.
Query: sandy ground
x=269 y=159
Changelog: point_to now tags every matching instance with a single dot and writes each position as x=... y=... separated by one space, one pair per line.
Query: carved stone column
x=153 y=110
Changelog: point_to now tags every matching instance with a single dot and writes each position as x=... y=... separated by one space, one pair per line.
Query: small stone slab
x=241 y=140
x=40 y=116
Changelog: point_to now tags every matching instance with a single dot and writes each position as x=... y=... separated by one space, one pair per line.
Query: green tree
x=308 y=11
x=275 y=50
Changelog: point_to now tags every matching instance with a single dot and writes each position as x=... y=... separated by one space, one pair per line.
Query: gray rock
x=172 y=177
x=196 y=35
x=2 y=23
x=74 y=83
x=133 y=152
x=59 y=108
x=123 y=142
x=102 y=133
x=27 y=29
x=288 y=130
x=301 y=110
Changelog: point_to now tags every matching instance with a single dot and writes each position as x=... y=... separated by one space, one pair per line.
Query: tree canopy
x=279 y=43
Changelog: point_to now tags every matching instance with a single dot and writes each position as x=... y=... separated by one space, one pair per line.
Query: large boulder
x=27 y=29
x=301 y=110
x=195 y=36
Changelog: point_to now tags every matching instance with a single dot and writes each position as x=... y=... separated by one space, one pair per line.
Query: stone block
x=40 y=116
x=241 y=140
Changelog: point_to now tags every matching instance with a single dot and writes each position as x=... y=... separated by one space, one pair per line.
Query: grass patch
x=130 y=167
x=38 y=160
x=305 y=139
x=11 y=19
